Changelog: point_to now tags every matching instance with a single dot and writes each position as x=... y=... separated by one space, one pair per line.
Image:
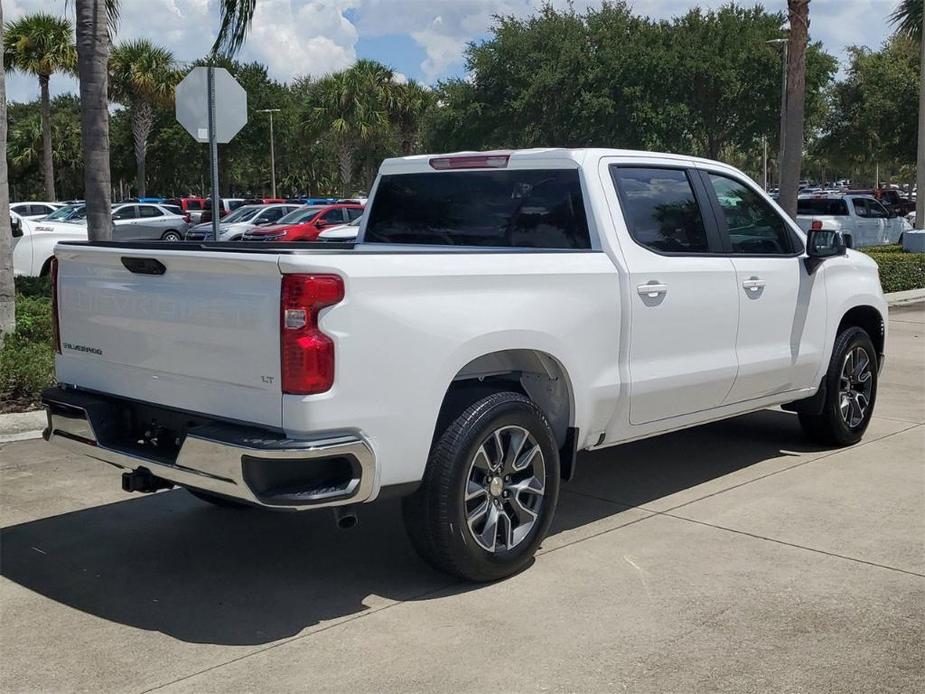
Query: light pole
x=783 y=101
x=271 y=111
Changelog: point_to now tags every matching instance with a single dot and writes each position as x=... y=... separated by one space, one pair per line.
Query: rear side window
x=661 y=210
x=752 y=225
x=149 y=211
x=825 y=207
x=526 y=208
x=193 y=205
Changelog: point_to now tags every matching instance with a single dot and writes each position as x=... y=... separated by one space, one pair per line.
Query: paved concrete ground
x=732 y=557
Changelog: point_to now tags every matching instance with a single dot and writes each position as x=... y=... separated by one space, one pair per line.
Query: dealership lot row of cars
x=37 y=227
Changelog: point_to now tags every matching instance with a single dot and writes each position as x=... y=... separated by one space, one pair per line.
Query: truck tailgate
x=203 y=336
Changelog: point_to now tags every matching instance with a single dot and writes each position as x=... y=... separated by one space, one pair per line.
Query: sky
x=420 y=39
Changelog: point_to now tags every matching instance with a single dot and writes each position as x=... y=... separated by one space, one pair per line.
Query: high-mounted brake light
x=306 y=353
x=816 y=225
x=479 y=161
x=55 y=326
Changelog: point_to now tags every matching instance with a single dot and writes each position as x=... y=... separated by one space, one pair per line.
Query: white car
x=500 y=312
x=34 y=210
x=862 y=216
x=130 y=222
x=234 y=225
x=342 y=232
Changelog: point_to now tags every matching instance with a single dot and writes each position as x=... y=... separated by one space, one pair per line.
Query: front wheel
x=171 y=236
x=851 y=391
x=489 y=490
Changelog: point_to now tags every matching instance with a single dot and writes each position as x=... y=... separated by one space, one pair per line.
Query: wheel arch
x=536 y=374
x=870 y=320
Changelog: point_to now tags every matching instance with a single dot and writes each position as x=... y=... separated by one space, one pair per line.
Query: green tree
x=351 y=108
x=410 y=103
x=41 y=44
x=142 y=76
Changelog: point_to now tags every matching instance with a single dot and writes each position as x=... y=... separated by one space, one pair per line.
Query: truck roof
x=555 y=157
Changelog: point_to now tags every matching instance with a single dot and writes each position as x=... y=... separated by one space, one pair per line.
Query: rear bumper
x=249 y=464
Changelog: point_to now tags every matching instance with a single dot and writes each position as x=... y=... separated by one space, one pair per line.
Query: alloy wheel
x=505 y=487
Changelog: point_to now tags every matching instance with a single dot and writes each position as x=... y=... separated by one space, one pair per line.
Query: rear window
x=528 y=208
x=828 y=207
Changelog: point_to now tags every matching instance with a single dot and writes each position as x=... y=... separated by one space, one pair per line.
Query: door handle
x=652 y=290
x=753 y=284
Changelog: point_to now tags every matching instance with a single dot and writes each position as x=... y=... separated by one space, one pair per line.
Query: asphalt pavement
x=734 y=557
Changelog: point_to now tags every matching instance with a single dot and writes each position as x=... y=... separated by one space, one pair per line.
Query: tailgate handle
x=144 y=266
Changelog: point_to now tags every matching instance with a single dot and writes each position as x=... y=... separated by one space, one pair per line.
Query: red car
x=305 y=223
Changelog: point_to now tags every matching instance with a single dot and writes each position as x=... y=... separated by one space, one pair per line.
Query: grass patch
x=27 y=364
x=899 y=270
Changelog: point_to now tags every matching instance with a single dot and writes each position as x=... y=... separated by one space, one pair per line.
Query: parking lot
x=731 y=557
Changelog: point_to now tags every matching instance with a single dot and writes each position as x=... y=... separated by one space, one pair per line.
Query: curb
x=911 y=296
x=21 y=426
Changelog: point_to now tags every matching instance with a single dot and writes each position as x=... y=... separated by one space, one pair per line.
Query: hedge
x=27 y=356
x=899 y=270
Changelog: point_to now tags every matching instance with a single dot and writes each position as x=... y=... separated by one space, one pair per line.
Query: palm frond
x=236 y=16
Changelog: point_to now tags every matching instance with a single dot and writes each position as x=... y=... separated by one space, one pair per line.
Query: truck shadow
x=172 y=564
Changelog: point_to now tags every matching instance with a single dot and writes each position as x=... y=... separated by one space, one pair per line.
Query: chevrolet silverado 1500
x=498 y=313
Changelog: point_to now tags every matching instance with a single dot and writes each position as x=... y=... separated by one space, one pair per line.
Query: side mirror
x=15 y=228
x=822 y=244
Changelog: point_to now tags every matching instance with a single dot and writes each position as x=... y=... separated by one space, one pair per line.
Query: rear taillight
x=55 y=326
x=306 y=353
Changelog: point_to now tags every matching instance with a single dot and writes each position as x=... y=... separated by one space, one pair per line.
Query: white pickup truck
x=862 y=217
x=499 y=312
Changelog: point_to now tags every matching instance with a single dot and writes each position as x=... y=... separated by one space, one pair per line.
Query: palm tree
x=7 y=288
x=41 y=44
x=351 y=108
x=142 y=76
x=909 y=19
x=410 y=103
x=798 y=11
x=95 y=19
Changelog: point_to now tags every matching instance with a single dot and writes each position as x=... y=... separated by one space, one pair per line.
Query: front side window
x=860 y=207
x=270 y=215
x=510 y=208
x=661 y=210
x=752 y=225
x=354 y=213
x=875 y=209
x=333 y=216
x=127 y=212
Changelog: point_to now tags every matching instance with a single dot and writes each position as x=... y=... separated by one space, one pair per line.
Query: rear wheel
x=217 y=500
x=171 y=236
x=489 y=491
x=851 y=391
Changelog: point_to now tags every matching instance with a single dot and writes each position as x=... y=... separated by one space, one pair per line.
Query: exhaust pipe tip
x=345 y=517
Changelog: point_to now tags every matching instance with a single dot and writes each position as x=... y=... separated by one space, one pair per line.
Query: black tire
x=830 y=427
x=172 y=236
x=217 y=500
x=436 y=514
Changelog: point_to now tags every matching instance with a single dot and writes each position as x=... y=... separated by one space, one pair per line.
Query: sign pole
x=213 y=152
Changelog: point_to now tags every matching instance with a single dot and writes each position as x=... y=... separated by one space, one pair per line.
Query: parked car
x=225 y=206
x=34 y=210
x=501 y=311
x=130 y=222
x=191 y=206
x=242 y=220
x=867 y=221
x=305 y=223
x=345 y=232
